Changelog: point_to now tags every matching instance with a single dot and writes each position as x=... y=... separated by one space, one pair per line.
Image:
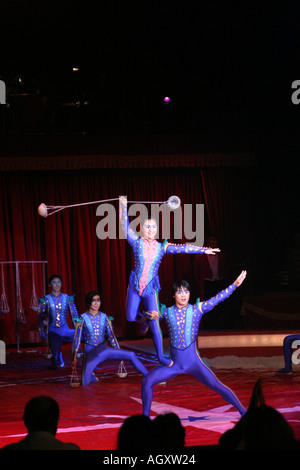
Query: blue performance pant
x=57 y=336
x=93 y=355
x=187 y=361
x=150 y=304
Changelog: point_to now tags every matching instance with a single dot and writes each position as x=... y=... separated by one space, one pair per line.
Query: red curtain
x=68 y=240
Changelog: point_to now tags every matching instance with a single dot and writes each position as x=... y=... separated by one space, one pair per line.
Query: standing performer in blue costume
x=144 y=281
x=56 y=306
x=95 y=326
x=183 y=320
x=288 y=352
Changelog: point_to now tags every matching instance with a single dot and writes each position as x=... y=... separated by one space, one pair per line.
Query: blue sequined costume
x=144 y=280
x=93 y=332
x=56 y=309
x=183 y=325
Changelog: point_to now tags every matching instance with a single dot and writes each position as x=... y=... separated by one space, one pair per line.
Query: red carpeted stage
x=91 y=416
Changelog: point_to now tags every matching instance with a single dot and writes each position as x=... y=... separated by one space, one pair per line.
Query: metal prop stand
x=20 y=316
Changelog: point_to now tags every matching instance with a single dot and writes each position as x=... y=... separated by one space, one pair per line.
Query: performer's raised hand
x=123 y=200
x=240 y=279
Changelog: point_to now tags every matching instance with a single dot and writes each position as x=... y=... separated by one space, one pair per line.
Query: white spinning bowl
x=42 y=210
x=173 y=202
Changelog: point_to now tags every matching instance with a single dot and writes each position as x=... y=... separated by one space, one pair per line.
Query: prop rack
x=4 y=307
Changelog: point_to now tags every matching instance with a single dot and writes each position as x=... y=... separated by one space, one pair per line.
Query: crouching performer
x=55 y=308
x=183 y=320
x=93 y=329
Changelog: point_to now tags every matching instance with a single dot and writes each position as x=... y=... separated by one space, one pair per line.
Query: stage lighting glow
x=167 y=99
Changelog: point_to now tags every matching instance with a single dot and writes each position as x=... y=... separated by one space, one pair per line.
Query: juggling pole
x=44 y=211
x=21 y=319
x=75 y=381
x=20 y=310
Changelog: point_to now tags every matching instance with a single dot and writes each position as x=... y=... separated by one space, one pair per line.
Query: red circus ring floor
x=91 y=416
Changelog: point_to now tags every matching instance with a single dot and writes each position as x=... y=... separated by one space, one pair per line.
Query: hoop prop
x=45 y=211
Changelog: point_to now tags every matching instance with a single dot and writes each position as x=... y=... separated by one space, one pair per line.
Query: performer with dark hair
x=183 y=320
x=55 y=307
x=94 y=328
x=144 y=281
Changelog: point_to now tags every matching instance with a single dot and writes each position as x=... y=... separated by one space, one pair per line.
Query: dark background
x=226 y=66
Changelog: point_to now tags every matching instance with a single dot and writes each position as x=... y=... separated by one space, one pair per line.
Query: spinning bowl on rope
x=42 y=210
x=4 y=307
x=21 y=318
x=74 y=384
x=34 y=303
x=122 y=373
x=173 y=202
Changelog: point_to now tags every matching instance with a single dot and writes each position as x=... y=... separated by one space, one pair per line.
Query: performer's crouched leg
x=158 y=343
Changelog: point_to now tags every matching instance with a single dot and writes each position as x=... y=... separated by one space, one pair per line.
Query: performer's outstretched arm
x=174 y=249
x=224 y=294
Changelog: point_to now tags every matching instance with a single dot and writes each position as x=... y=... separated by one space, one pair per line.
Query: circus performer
x=55 y=307
x=183 y=320
x=95 y=326
x=144 y=281
x=288 y=353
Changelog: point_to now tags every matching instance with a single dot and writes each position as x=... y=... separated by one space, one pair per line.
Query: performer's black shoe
x=144 y=325
x=284 y=371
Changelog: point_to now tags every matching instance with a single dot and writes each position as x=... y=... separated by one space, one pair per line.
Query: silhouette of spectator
x=41 y=415
x=261 y=428
x=136 y=433
x=266 y=428
x=169 y=432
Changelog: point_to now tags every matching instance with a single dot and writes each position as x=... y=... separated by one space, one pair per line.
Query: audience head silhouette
x=261 y=428
x=135 y=433
x=41 y=413
x=40 y=417
x=169 y=432
x=266 y=428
